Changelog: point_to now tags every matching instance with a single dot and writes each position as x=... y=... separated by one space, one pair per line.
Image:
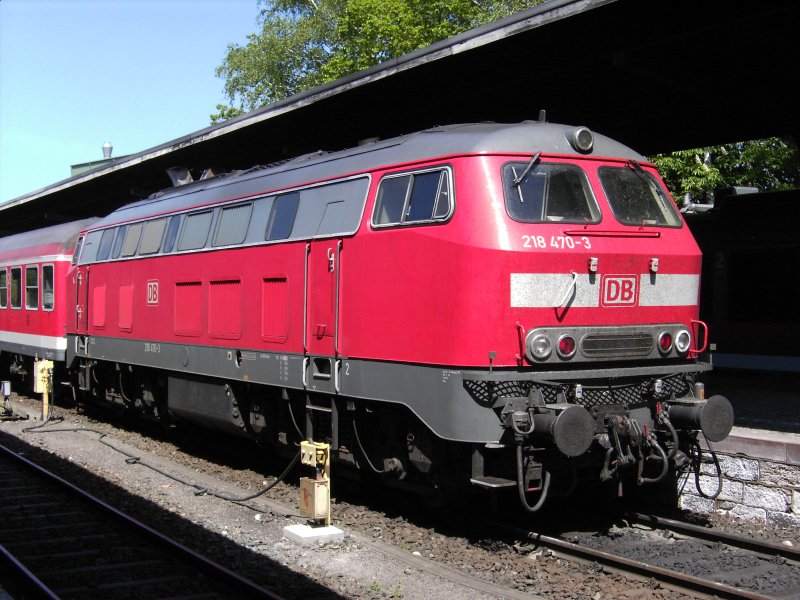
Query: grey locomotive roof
x=479 y=138
x=65 y=233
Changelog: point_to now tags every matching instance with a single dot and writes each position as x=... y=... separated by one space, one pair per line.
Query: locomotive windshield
x=636 y=198
x=548 y=192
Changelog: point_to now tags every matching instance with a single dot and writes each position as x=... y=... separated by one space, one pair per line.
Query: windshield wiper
x=534 y=159
x=637 y=168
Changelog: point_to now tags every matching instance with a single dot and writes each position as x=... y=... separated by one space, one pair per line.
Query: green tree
x=305 y=43
x=769 y=164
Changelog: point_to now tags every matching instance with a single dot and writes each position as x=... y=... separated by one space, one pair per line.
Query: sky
x=75 y=74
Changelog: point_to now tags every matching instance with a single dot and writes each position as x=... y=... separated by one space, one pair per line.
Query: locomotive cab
x=603 y=280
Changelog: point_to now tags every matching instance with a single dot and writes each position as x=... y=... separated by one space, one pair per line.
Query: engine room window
x=636 y=197
x=151 y=236
x=3 y=288
x=233 y=224
x=172 y=233
x=413 y=198
x=16 y=287
x=104 y=249
x=281 y=216
x=32 y=288
x=48 y=290
x=118 y=241
x=195 y=230
x=77 y=254
x=548 y=192
x=132 y=239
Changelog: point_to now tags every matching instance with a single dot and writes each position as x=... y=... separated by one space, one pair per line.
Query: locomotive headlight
x=540 y=347
x=566 y=346
x=665 y=342
x=683 y=340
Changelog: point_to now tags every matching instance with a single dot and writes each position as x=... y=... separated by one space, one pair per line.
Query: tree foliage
x=769 y=164
x=305 y=43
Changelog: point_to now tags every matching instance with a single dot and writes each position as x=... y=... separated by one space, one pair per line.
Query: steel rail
x=739 y=541
x=674 y=578
x=40 y=589
x=248 y=588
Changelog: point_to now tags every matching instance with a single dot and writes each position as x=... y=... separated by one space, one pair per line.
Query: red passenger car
x=500 y=305
x=33 y=298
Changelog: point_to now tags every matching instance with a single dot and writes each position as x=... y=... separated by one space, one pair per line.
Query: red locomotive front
x=504 y=305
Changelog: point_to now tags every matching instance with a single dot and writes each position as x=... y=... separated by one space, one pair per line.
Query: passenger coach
x=494 y=304
x=33 y=298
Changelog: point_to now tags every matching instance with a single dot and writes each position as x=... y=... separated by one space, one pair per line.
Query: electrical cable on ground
x=133 y=459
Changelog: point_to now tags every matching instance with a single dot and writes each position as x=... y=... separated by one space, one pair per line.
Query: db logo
x=619 y=290
x=152 y=291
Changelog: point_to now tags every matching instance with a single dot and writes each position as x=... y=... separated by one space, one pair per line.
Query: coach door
x=81 y=300
x=323 y=268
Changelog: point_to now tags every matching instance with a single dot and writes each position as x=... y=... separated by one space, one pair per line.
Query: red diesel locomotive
x=496 y=305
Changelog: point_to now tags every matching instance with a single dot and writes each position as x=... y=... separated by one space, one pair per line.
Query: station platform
x=760 y=460
x=766 y=407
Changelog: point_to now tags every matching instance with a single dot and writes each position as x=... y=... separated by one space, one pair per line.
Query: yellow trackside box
x=42 y=370
x=314 y=498
x=313 y=454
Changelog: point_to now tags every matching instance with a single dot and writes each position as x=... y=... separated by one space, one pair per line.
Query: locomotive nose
x=714 y=417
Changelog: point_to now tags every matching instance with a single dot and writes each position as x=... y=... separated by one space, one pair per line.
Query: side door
x=81 y=300
x=326 y=216
x=323 y=268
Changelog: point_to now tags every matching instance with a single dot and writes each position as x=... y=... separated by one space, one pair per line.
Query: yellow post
x=315 y=494
x=42 y=384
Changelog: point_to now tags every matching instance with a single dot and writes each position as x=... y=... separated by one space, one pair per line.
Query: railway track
x=684 y=556
x=61 y=542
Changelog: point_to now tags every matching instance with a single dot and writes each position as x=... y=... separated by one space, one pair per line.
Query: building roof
x=657 y=76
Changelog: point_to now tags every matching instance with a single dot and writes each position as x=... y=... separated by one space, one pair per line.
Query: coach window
x=118 y=241
x=413 y=198
x=233 y=223
x=281 y=217
x=172 y=233
x=151 y=236
x=548 y=192
x=32 y=288
x=195 y=230
x=3 y=287
x=48 y=291
x=16 y=287
x=104 y=249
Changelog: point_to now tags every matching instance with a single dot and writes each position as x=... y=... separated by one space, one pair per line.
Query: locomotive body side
x=491 y=304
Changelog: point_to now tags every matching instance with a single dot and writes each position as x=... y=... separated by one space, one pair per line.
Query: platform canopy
x=658 y=75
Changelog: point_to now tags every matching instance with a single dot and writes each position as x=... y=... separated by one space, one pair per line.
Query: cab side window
x=419 y=197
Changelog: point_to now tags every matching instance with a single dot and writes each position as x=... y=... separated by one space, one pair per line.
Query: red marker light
x=665 y=342
x=566 y=346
